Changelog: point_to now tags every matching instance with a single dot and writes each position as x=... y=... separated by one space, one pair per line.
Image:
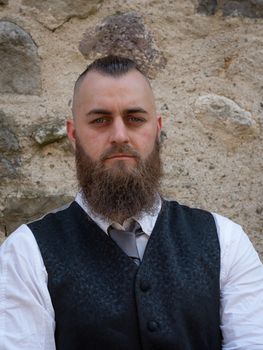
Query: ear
x=71 y=132
x=159 y=125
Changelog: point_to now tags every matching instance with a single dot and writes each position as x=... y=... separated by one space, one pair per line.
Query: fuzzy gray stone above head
x=124 y=35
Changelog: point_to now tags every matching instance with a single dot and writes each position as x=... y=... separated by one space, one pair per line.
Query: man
x=121 y=268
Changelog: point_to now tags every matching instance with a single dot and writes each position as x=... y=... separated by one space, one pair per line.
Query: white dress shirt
x=27 y=319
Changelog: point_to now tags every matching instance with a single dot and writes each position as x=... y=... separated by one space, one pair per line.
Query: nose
x=119 y=133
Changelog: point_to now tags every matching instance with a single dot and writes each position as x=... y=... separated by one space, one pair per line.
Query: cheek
x=92 y=144
x=146 y=141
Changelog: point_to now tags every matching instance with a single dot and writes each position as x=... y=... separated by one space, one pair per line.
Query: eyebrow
x=99 y=111
x=135 y=110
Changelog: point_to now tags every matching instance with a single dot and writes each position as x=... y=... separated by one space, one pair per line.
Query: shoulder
x=56 y=217
x=224 y=225
x=227 y=229
x=21 y=249
x=187 y=214
x=187 y=210
x=230 y=234
x=21 y=237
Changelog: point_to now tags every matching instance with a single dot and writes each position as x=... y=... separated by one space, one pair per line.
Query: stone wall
x=205 y=62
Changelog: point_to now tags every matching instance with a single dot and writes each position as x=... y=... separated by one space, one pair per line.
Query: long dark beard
x=120 y=191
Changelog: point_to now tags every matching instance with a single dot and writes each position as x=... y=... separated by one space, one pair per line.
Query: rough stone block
x=54 y=13
x=8 y=140
x=124 y=35
x=19 y=68
x=246 y=8
x=207 y=6
x=9 y=149
x=9 y=167
x=49 y=132
x=221 y=113
x=251 y=8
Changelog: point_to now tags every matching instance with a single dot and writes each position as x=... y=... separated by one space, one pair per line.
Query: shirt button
x=152 y=326
x=144 y=286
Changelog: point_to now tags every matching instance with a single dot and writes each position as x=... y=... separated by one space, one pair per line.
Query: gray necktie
x=126 y=240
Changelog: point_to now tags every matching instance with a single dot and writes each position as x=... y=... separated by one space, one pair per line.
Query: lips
x=120 y=156
x=119 y=152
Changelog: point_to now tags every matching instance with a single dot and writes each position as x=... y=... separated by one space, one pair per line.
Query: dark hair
x=110 y=65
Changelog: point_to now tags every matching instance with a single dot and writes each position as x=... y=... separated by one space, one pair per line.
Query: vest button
x=152 y=326
x=144 y=286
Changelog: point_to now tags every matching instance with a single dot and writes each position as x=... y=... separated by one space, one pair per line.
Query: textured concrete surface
x=53 y=14
x=209 y=92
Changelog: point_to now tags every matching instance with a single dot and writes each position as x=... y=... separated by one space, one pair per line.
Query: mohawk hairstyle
x=114 y=66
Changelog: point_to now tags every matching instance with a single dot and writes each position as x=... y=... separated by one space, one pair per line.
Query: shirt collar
x=146 y=220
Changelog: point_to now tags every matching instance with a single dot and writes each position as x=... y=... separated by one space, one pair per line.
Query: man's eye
x=99 y=121
x=135 y=119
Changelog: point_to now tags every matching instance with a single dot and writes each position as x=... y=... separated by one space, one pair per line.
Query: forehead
x=131 y=87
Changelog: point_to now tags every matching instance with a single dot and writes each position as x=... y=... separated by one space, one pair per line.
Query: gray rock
x=54 y=13
x=207 y=6
x=250 y=8
x=9 y=150
x=8 y=140
x=246 y=8
x=19 y=69
x=28 y=207
x=221 y=113
x=9 y=167
x=49 y=132
x=124 y=35
x=3 y=2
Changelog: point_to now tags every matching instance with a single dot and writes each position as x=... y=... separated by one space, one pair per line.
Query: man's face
x=115 y=118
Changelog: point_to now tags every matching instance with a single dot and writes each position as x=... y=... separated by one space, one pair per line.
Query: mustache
x=119 y=149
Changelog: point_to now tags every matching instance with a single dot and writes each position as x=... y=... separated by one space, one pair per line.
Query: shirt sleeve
x=26 y=312
x=241 y=284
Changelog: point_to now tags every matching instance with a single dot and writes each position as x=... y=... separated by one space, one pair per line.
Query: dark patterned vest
x=103 y=301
